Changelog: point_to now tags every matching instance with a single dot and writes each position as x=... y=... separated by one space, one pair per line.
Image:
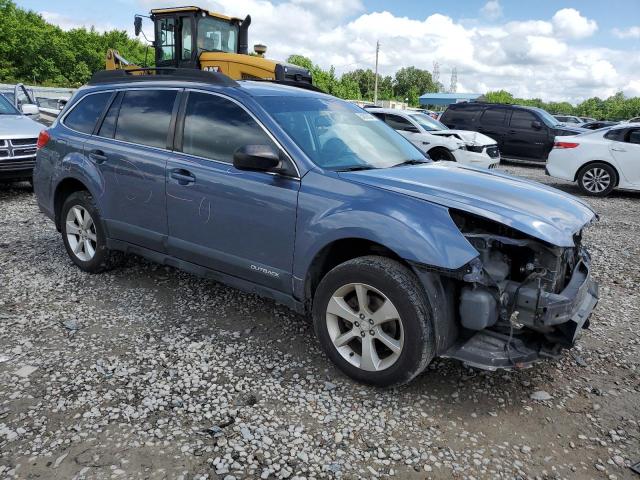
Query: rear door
x=627 y=155
x=493 y=123
x=237 y=222
x=527 y=137
x=130 y=151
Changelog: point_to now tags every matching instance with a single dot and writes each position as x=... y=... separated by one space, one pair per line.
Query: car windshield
x=217 y=35
x=6 y=108
x=428 y=123
x=337 y=135
x=547 y=118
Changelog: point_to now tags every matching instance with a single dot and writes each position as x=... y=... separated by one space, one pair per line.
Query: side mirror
x=258 y=158
x=30 y=109
x=536 y=125
x=137 y=25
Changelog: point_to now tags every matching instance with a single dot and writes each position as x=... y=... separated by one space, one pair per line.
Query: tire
x=597 y=179
x=383 y=280
x=441 y=155
x=96 y=258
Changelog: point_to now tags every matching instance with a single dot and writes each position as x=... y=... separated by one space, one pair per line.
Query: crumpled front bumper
x=560 y=317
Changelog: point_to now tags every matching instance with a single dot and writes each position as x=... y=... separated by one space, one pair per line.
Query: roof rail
x=160 y=74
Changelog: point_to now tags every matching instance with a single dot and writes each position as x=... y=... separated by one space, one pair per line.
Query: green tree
x=411 y=82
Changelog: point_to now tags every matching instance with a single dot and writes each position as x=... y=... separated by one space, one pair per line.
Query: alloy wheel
x=81 y=233
x=596 y=180
x=365 y=327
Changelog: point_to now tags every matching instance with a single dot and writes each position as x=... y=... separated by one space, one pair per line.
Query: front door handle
x=184 y=177
x=513 y=132
x=98 y=156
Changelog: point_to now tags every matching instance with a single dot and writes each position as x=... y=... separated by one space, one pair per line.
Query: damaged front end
x=521 y=299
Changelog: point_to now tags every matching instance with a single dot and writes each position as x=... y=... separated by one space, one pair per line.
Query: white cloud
x=631 y=32
x=533 y=58
x=492 y=10
x=569 y=22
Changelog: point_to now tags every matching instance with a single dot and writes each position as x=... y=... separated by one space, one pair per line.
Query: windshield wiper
x=355 y=168
x=410 y=162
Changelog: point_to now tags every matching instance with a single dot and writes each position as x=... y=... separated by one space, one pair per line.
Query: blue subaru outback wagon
x=312 y=201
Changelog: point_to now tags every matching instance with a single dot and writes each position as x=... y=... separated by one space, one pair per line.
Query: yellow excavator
x=191 y=37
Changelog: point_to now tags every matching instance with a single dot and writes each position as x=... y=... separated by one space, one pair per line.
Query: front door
x=627 y=155
x=176 y=45
x=130 y=151
x=237 y=222
x=527 y=137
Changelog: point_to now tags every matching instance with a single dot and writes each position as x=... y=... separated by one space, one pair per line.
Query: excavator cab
x=183 y=34
x=191 y=37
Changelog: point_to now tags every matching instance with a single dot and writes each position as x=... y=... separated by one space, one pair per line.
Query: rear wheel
x=83 y=234
x=441 y=155
x=374 y=321
x=597 y=179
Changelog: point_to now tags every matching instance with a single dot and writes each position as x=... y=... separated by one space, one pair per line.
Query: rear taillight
x=563 y=145
x=43 y=139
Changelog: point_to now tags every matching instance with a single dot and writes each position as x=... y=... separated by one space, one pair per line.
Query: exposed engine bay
x=521 y=299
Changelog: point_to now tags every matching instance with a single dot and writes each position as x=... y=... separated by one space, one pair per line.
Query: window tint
x=615 y=134
x=494 y=116
x=398 y=123
x=461 y=115
x=633 y=136
x=522 y=119
x=215 y=128
x=108 y=127
x=145 y=116
x=85 y=114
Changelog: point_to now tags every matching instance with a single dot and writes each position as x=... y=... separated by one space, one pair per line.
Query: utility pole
x=375 y=87
x=453 y=87
x=435 y=76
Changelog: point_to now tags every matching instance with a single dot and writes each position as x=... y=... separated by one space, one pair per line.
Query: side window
x=522 y=119
x=145 y=116
x=634 y=136
x=494 y=116
x=85 y=114
x=215 y=128
x=167 y=38
x=186 y=39
x=460 y=116
x=377 y=115
x=108 y=127
x=399 y=123
x=615 y=134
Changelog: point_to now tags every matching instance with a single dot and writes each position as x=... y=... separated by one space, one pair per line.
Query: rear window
x=85 y=114
x=145 y=116
x=460 y=116
x=615 y=134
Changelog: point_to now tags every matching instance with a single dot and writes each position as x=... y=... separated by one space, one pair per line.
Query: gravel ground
x=148 y=372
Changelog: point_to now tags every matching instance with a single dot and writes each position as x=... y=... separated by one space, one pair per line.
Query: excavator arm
x=115 y=61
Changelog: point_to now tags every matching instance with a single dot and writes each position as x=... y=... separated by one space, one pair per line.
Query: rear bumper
x=557 y=322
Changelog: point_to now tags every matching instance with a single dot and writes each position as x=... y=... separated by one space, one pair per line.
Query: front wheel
x=374 y=321
x=441 y=155
x=597 y=179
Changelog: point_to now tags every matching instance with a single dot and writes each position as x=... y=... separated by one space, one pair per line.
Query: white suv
x=439 y=142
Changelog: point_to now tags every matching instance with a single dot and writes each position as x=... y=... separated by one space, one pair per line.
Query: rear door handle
x=617 y=149
x=98 y=156
x=184 y=177
x=512 y=132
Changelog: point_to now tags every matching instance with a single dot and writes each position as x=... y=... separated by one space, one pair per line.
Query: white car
x=600 y=160
x=440 y=143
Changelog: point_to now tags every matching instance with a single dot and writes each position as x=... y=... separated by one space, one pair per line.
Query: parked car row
x=18 y=137
x=439 y=142
x=312 y=201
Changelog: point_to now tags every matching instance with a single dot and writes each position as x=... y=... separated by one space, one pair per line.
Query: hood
x=19 y=126
x=468 y=137
x=452 y=143
x=542 y=212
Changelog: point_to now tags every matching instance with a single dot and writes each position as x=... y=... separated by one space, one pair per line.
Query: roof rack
x=160 y=74
x=289 y=83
